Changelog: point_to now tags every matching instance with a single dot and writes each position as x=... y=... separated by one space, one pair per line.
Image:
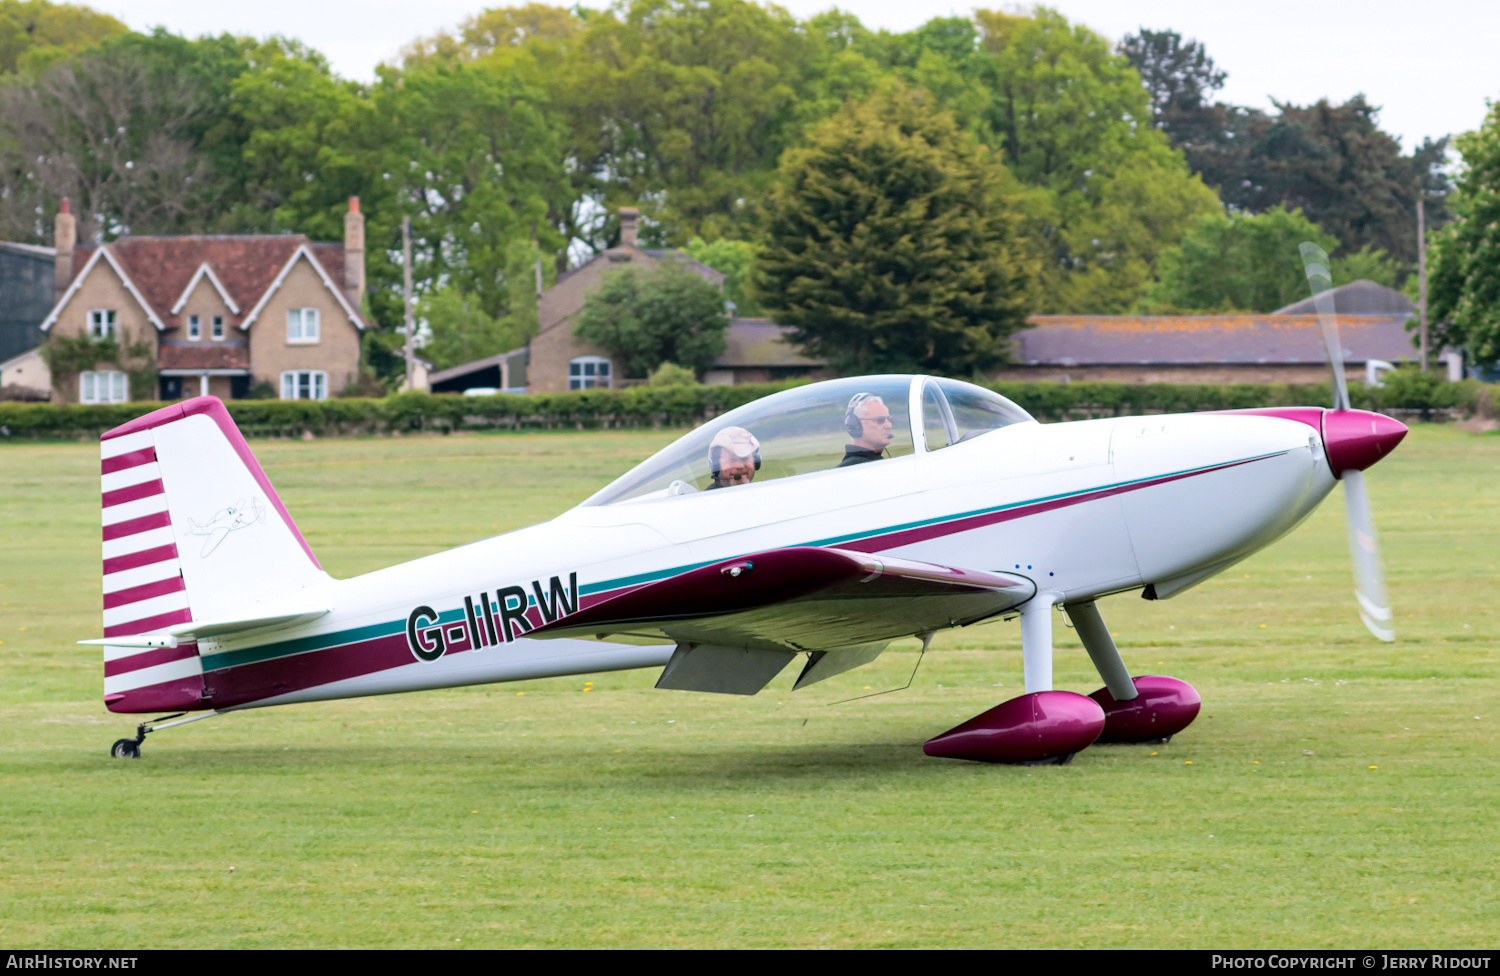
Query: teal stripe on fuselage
x=252 y=655
x=264 y=652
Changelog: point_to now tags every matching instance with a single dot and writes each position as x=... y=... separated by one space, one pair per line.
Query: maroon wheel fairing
x=1164 y=707
x=1036 y=727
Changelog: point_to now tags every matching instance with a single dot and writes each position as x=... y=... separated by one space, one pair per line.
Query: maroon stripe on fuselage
x=906 y=537
x=135 y=560
x=133 y=493
x=284 y=675
x=146 y=659
x=147 y=624
x=119 y=530
x=130 y=459
x=135 y=594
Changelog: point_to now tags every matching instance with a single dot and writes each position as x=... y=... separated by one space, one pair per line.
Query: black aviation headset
x=852 y=423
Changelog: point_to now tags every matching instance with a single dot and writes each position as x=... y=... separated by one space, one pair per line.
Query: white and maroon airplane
x=961 y=509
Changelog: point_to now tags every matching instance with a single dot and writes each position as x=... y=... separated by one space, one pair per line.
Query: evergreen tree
x=895 y=242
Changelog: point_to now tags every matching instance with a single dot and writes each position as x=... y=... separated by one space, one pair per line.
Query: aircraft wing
x=797 y=599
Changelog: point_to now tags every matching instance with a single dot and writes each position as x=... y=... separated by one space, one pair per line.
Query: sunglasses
x=884 y=418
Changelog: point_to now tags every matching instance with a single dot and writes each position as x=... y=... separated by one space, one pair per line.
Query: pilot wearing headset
x=733 y=458
x=869 y=425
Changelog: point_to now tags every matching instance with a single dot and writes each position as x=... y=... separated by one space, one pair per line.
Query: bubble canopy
x=816 y=428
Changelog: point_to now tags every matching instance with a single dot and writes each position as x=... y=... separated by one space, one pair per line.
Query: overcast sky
x=1431 y=66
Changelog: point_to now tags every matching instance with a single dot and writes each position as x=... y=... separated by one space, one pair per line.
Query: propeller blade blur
x=1364 y=553
x=1315 y=261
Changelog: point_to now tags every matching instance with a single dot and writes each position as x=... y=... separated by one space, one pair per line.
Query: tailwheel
x=131 y=748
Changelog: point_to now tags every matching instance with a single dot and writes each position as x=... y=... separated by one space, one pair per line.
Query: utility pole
x=1422 y=278
x=411 y=318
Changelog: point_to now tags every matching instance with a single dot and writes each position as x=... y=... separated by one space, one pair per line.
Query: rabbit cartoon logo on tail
x=225 y=521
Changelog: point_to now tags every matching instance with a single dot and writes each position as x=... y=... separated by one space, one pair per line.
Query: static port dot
x=1051 y=574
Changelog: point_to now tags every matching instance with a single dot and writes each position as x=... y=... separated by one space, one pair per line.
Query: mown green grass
x=624 y=816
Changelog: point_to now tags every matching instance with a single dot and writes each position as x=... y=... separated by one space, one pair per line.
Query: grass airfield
x=1335 y=791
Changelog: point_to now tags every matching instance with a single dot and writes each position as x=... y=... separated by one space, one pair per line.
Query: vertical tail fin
x=193 y=531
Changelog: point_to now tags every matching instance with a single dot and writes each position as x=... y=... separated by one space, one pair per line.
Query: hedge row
x=644 y=406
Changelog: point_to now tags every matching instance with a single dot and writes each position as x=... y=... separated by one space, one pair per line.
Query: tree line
x=902 y=200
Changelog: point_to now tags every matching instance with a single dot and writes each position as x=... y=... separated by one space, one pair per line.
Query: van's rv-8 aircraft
x=964 y=509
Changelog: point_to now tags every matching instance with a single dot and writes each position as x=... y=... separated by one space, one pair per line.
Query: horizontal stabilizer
x=208 y=629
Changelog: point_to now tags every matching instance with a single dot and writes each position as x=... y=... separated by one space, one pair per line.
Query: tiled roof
x=204 y=355
x=760 y=342
x=1357 y=298
x=1078 y=340
x=161 y=267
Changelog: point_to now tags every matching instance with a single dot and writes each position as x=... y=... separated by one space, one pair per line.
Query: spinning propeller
x=1349 y=445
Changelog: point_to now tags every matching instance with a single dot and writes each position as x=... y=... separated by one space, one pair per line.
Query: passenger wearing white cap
x=733 y=458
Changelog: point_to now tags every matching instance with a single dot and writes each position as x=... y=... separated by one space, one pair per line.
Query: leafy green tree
x=468 y=151
x=1331 y=161
x=1250 y=262
x=1111 y=193
x=1238 y=262
x=736 y=259
x=894 y=242
x=667 y=315
x=1179 y=76
x=699 y=101
x=35 y=30
x=1464 y=287
x=139 y=133
x=461 y=331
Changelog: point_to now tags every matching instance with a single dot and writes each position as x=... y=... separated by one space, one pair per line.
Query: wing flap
x=798 y=599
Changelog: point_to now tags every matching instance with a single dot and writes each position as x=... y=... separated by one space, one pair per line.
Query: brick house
x=213 y=314
x=560 y=361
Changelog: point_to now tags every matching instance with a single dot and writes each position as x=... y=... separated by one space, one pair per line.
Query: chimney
x=628 y=218
x=354 y=254
x=64 y=237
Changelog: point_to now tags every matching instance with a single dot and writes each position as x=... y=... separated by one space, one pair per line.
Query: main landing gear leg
x=1101 y=647
x=1151 y=708
x=131 y=748
x=1041 y=727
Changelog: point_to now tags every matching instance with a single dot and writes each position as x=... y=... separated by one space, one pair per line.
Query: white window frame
x=304 y=384
x=584 y=373
x=103 y=386
x=303 y=326
x=103 y=324
x=216 y=330
x=194 y=328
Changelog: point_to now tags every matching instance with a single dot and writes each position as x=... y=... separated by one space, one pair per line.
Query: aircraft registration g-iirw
x=812 y=527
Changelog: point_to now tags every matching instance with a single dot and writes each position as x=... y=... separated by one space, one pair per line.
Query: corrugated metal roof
x=1130 y=340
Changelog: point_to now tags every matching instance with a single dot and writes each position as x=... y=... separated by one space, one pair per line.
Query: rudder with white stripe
x=193 y=531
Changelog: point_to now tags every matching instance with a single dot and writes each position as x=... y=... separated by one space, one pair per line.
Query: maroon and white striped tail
x=144 y=590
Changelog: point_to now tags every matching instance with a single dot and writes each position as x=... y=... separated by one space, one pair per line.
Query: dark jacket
x=858 y=455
